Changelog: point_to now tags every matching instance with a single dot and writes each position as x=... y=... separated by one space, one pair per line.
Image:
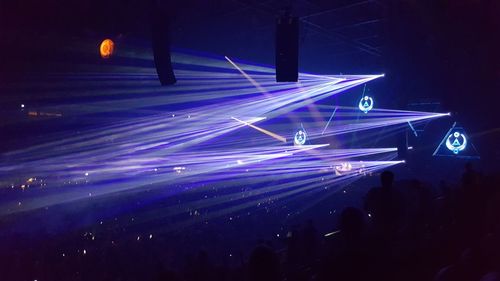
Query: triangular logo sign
x=456 y=143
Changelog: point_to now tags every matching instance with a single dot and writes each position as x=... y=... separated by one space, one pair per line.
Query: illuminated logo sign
x=366 y=104
x=456 y=142
x=300 y=137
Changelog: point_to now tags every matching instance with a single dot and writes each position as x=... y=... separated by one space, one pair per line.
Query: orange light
x=107 y=48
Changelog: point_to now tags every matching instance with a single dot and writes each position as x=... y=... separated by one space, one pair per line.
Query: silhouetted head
x=448 y=273
x=166 y=275
x=263 y=264
x=352 y=221
x=468 y=166
x=387 y=177
x=202 y=257
x=491 y=276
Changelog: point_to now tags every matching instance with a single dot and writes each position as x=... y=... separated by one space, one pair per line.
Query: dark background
x=447 y=51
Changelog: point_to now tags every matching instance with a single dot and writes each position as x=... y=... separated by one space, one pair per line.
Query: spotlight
x=107 y=48
x=179 y=169
x=344 y=167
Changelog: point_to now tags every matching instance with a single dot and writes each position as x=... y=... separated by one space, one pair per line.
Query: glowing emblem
x=456 y=142
x=300 y=137
x=107 y=48
x=366 y=104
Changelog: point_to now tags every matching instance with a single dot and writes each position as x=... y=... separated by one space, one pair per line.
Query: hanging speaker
x=287 y=49
x=161 y=47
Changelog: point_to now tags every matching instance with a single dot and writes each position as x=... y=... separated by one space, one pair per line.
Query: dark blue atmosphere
x=379 y=163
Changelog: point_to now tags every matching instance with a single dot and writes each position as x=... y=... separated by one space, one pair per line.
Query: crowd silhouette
x=406 y=230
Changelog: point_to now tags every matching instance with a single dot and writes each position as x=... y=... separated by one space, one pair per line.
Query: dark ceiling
x=438 y=50
x=332 y=32
x=427 y=48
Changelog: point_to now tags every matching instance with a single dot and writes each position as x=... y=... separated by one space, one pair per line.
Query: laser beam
x=271 y=134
